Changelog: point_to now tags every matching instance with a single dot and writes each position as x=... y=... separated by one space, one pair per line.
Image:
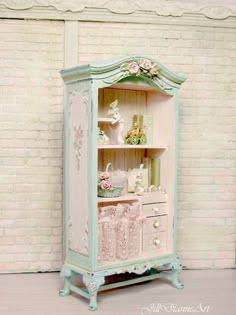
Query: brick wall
x=31 y=92
x=207 y=141
x=31 y=55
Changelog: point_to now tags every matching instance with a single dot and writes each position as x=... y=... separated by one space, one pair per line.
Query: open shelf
x=135 y=146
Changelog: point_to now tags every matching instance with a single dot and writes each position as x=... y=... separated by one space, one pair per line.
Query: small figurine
x=113 y=112
x=117 y=126
x=136 y=135
x=102 y=137
x=139 y=190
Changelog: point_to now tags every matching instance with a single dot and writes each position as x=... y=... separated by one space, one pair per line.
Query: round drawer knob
x=156 y=210
x=156 y=241
x=156 y=224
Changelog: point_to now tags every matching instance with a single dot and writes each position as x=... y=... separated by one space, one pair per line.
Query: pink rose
x=104 y=175
x=146 y=64
x=133 y=68
x=105 y=184
x=154 y=70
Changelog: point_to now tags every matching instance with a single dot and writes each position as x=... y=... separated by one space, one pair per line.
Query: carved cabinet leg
x=93 y=282
x=66 y=274
x=176 y=268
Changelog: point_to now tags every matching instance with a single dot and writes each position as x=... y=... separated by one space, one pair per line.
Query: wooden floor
x=37 y=294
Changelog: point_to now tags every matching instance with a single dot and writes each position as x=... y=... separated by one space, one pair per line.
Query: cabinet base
x=95 y=281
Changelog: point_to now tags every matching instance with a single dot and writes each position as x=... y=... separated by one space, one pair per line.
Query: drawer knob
x=156 y=210
x=156 y=241
x=156 y=224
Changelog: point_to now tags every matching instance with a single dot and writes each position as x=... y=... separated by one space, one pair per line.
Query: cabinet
x=133 y=233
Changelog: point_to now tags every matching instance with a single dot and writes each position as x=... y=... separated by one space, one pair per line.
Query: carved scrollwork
x=216 y=12
x=18 y=5
x=177 y=8
x=122 y=6
x=93 y=282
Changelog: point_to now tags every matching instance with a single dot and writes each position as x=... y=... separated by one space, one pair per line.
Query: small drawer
x=152 y=197
x=155 y=242
x=154 y=209
x=155 y=224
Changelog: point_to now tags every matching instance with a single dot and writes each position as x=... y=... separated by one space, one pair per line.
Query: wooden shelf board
x=147 y=197
x=105 y=120
x=127 y=146
x=130 y=196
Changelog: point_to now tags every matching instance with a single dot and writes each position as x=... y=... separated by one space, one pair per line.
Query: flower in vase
x=105 y=184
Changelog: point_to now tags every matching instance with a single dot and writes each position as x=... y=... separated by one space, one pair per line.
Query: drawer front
x=155 y=242
x=154 y=209
x=155 y=224
x=152 y=197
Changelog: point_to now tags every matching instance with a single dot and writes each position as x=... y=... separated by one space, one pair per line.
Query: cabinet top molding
x=141 y=70
x=184 y=11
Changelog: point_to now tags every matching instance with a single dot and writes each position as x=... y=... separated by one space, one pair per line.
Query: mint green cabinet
x=121 y=113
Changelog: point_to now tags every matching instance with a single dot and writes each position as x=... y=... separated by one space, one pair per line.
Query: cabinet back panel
x=120 y=159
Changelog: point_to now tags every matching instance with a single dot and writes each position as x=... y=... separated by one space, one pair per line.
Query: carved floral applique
x=78 y=142
x=143 y=67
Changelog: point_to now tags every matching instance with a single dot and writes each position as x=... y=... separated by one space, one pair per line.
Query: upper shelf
x=135 y=146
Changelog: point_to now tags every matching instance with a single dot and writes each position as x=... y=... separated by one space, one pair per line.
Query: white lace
x=119 y=231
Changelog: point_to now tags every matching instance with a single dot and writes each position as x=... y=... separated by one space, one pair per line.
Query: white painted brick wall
x=31 y=90
x=207 y=140
x=31 y=114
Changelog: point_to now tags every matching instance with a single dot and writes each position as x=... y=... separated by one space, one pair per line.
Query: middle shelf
x=146 y=197
x=134 y=146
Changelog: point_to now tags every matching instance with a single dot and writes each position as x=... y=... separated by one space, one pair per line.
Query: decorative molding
x=217 y=12
x=119 y=10
x=139 y=268
x=93 y=282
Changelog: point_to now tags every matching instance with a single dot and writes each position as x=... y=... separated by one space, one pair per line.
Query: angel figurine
x=113 y=112
x=117 y=125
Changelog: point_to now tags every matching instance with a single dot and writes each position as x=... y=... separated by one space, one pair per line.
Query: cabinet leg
x=93 y=283
x=176 y=268
x=66 y=290
x=66 y=274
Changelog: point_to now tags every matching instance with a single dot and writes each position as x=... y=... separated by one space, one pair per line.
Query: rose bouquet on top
x=143 y=67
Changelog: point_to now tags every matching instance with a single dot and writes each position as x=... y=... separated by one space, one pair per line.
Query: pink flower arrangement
x=105 y=182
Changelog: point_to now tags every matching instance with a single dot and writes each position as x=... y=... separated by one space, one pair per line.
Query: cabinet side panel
x=78 y=169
